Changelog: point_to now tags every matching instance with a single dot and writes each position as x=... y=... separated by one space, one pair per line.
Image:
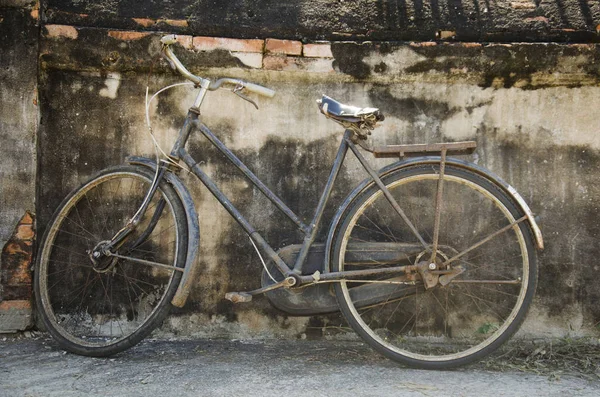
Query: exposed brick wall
x=15 y=277
x=15 y=262
x=268 y=54
x=19 y=117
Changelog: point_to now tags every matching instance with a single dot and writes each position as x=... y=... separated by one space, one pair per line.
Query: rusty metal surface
x=438 y=205
x=430 y=279
x=445 y=279
x=319 y=298
x=452 y=149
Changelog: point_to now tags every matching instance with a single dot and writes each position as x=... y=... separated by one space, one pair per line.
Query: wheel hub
x=430 y=271
x=102 y=263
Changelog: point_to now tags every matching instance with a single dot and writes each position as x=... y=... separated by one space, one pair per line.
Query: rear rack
x=452 y=149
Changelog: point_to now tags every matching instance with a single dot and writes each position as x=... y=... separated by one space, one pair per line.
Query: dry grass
x=573 y=357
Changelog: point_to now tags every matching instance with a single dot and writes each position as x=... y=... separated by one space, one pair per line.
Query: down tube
x=237 y=215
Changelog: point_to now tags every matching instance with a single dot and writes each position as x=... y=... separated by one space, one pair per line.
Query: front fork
x=108 y=247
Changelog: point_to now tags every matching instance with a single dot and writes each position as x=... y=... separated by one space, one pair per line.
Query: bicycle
x=432 y=258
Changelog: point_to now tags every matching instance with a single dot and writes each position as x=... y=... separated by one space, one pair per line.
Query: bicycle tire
x=445 y=326
x=104 y=308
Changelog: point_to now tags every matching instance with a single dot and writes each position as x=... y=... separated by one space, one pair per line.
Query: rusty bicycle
x=431 y=259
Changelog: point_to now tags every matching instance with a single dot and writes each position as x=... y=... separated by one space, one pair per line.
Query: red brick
x=423 y=44
x=537 y=19
x=202 y=43
x=16 y=259
x=145 y=22
x=180 y=23
x=185 y=41
x=523 y=5
x=445 y=34
x=14 y=248
x=289 y=47
x=27 y=219
x=15 y=305
x=62 y=31
x=471 y=45
x=127 y=35
x=317 y=51
x=25 y=232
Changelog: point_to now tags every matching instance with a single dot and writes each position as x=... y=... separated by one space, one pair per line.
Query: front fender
x=193 y=244
x=511 y=191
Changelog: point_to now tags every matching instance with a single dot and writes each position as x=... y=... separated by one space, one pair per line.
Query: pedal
x=238 y=297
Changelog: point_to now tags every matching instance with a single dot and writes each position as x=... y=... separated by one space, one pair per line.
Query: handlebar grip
x=259 y=89
x=169 y=39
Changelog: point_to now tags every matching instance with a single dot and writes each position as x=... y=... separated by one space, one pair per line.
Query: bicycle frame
x=310 y=231
x=295 y=276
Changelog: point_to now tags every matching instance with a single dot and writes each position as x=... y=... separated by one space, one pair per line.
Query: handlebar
x=176 y=64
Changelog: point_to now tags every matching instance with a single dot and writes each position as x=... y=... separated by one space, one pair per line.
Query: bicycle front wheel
x=101 y=306
x=480 y=283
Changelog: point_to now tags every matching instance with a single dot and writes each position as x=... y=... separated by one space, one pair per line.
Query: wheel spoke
x=472 y=229
x=485 y=240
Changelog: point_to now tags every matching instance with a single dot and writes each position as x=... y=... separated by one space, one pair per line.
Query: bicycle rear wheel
x=487 y=265
x=101 y=307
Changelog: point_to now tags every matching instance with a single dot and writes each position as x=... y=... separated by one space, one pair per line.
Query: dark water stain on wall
x=409 y=109
x=364 y=19
x=80 y=134
x=494 y=65
x=296 y=172
x=348 y=58
x=425 y=115
x=564 y=190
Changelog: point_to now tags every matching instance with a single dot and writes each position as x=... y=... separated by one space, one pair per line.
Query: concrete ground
x=38 y=367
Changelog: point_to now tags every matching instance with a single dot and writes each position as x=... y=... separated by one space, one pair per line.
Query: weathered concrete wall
x=530 y=107
x=18 y=129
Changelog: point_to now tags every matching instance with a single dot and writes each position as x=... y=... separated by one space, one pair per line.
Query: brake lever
x=237 y=91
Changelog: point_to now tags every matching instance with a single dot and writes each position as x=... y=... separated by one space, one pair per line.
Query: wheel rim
x=90 y=306
x=434 y=325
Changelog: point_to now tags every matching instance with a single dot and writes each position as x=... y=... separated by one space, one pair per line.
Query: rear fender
x=431 y=160
x=193 y=244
